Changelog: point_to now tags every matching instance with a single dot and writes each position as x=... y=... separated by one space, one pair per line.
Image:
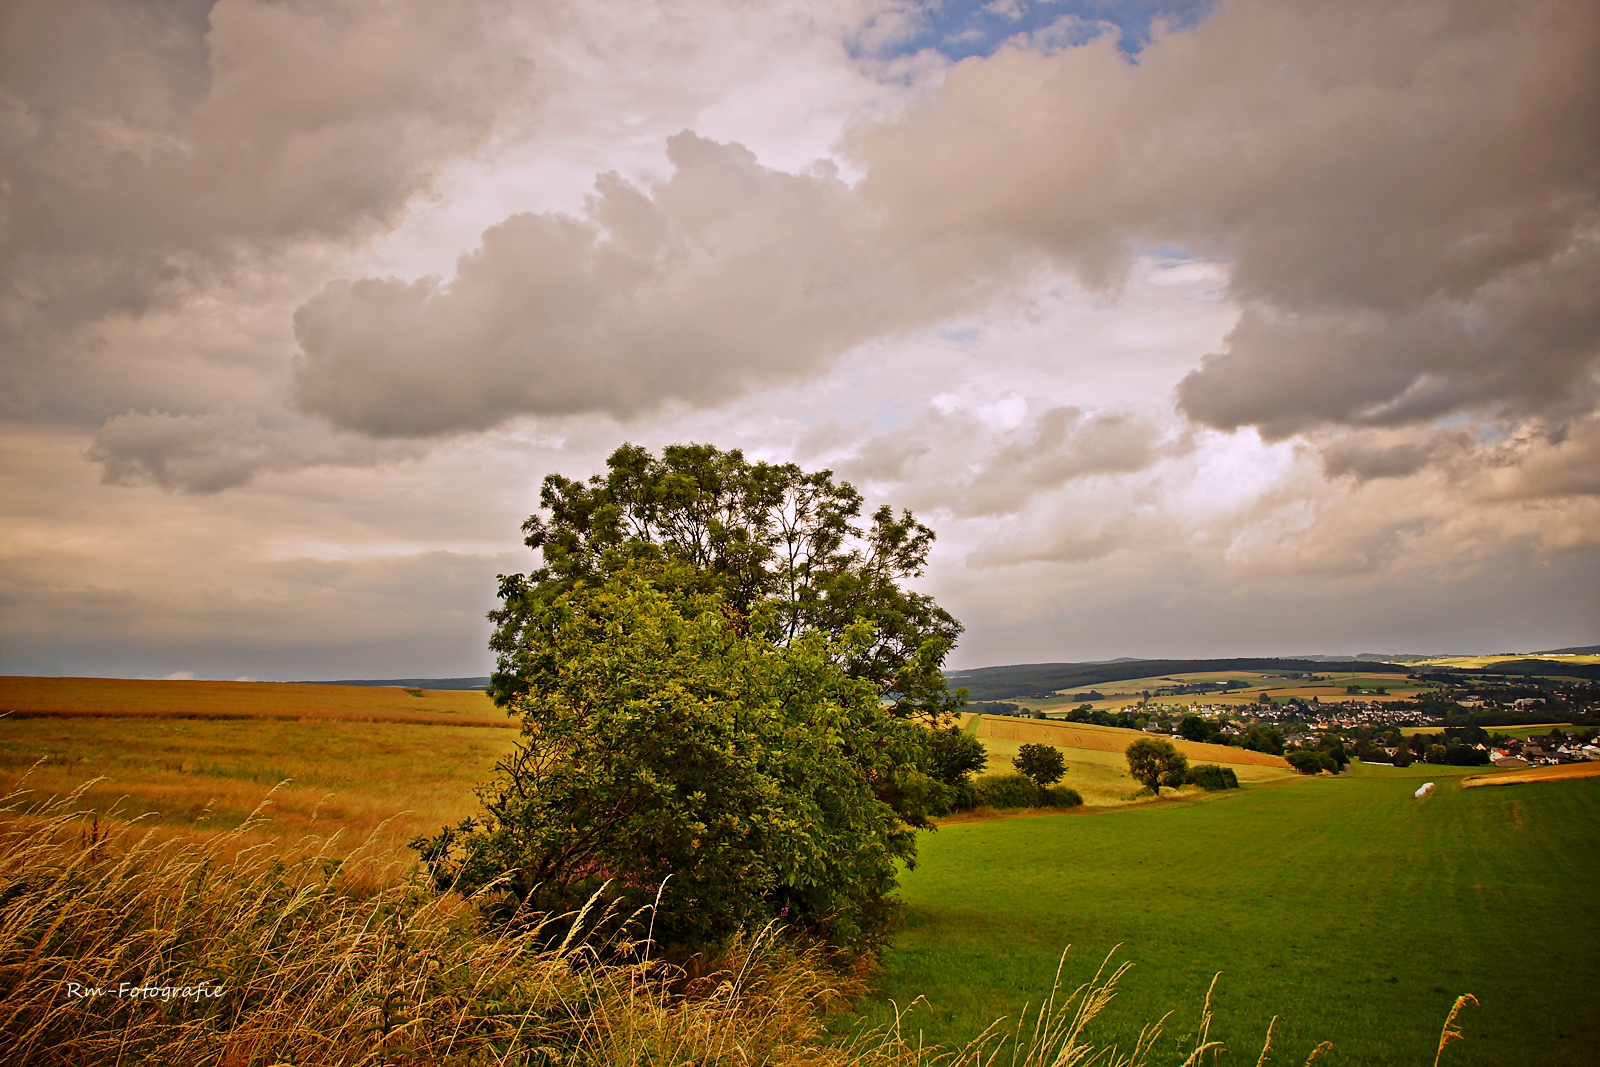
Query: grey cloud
x=210 y=614
x=1366 y=461
x=1525 y=343
x=1072 y=539
x=954 y=460
x=148 y=150
x=214 y=451
x=1562 y=461
x=1409 y=193
x=723 y=277
x=1066 y=444
x=197 y=453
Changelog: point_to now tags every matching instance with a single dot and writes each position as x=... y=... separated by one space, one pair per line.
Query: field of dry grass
x=200 y=756
x=1071 y=735
x=1096 y=766
x=1489 y=661
x=1566 y=772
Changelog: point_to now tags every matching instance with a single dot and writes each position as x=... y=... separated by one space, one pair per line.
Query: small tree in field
x=1041 y=763
x=1156 y=763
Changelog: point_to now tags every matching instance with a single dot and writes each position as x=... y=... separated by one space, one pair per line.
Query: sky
x=1255 y=327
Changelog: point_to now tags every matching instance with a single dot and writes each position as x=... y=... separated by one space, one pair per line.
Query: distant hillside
x=410 y=683
x=1580 y=650
x=1036 y=680
x=1524 y=667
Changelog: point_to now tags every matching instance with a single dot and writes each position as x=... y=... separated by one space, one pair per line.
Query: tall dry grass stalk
x=123 y=946
x=1451 y=1031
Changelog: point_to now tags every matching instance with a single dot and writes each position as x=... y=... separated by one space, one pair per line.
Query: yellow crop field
x=1489 y=661
x=138 y=698
x=200 y=756
x=1562 y=773
x=1101 y=776
x=1111 y=739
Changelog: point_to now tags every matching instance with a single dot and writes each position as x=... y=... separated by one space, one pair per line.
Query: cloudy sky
x=1247 y=327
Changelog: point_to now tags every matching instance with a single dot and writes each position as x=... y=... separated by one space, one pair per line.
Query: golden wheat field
x=1564 y=773
x=200 y=756
x=1096 y=766
x=1111 y=739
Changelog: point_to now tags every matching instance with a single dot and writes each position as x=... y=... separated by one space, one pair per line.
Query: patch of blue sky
x=963 y=335
x=1492 y=435
x=962 y=28
x=1165 y=254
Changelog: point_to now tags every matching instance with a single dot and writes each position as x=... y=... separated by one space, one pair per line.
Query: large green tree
x=726 y=690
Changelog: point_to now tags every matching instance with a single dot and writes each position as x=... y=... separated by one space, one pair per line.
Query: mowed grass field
x=203 y=755
x=1346 y=906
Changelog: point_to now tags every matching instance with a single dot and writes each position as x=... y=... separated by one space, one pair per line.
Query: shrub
x=952 y=757
x=1212 y=778
x=1042 y=763
x=1060 y=796
x=1307 y=761
x=1006 y=791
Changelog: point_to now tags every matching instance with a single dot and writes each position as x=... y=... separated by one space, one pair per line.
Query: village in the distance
x=1510 y=712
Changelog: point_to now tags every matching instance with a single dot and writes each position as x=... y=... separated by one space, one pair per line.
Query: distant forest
x=1036 y=681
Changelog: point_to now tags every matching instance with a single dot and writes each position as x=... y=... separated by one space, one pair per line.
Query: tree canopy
x=1157 y=762
x=1044 y=764
x=757 y=534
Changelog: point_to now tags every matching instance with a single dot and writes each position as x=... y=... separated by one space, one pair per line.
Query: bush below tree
x=1003 y=791
x=1212 y=777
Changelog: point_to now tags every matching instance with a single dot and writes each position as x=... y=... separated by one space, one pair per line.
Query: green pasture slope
x=1346 y=907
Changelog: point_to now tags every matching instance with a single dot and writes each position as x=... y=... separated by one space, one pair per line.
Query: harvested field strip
x=1565 y=772
x=1111 y=739
x=25 y=698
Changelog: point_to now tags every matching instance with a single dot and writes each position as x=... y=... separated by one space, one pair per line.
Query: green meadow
x=1347 y=907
